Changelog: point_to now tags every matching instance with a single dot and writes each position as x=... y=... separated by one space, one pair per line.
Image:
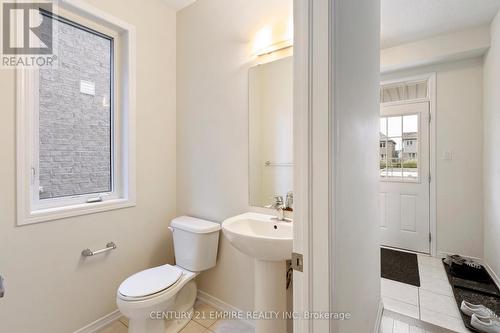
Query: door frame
x=431 y=79
x=319 y=38
x=313 y=160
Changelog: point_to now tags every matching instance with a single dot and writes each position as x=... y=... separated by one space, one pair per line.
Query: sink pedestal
x=270 y=295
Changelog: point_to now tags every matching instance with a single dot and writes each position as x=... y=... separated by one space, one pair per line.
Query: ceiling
x=179 y=4
x=405 y=21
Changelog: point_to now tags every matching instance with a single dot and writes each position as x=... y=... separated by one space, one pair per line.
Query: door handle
x=2 y=289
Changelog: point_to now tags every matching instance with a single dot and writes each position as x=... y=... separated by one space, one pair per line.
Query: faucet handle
x=289 y=200
x=278 y=199
x=277 y=202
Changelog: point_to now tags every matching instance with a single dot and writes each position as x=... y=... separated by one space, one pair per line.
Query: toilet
x=161 y=299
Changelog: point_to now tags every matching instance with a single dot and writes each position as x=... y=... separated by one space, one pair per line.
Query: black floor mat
x=400 y=266
x=485 y=293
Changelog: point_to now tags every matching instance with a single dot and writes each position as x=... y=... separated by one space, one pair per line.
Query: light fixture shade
x=272 y=38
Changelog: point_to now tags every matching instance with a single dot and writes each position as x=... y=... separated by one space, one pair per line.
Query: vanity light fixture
x=271 y=39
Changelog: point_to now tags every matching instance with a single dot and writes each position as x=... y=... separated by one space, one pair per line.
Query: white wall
x=214 y=53
x=459 y=130
x=491 y=150
x=49 y=287
x=438 y=49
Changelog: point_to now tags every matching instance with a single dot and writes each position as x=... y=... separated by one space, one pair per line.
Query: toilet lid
x=150 y=281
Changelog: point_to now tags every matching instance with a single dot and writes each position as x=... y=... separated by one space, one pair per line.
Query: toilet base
x=182 y=305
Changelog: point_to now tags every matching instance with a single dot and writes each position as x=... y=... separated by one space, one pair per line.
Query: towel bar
x=89 y=253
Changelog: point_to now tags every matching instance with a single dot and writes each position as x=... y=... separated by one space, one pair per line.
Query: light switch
x=87 y=87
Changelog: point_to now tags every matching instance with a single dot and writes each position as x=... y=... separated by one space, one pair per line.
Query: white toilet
x=150 y=298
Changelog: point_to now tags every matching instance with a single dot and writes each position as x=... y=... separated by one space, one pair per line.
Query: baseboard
x=220 y=305
x=100 y=323
x=378 y=320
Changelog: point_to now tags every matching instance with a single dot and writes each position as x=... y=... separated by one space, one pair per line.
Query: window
x=404 y=92
x=76 y=121
x=399 y=155
x=75 y=116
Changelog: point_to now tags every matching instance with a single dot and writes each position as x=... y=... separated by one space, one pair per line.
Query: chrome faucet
x=280 y=207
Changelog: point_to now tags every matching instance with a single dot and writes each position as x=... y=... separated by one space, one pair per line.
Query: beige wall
x=214 y=55
x=49 y=287
x=459 y=130
x=491 y=150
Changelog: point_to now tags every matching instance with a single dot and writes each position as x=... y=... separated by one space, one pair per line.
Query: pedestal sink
x=269 y=242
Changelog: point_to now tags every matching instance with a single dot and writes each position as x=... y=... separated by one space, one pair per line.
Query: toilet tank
x=196 y=242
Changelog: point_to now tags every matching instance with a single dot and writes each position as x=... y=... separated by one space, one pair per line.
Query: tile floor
x=195 y=325
x=432 y=302
x=395 y=325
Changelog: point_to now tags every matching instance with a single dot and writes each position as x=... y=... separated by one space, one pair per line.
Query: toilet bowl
x=161 y=299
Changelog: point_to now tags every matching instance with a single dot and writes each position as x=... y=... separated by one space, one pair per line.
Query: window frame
x=29 y=207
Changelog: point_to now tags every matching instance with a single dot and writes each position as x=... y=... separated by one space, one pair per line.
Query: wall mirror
x=270 y=131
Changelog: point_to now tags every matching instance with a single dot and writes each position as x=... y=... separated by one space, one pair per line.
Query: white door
x=404 y=176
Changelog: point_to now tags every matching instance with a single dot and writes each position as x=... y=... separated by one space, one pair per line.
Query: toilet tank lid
x=195 y=225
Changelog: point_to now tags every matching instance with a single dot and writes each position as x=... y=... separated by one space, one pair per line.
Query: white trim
x=221 y=305
x=378 y=321
x=302 y=63
x=432 y=99
x=312 y=154
x=26 y=213
x=100 y=323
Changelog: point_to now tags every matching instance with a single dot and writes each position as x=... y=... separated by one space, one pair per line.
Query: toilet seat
x=149 y=282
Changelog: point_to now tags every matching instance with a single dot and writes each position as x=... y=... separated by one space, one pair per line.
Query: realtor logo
x=25 y=29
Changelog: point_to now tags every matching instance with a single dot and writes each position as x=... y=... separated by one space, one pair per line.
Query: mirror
x=270 y=131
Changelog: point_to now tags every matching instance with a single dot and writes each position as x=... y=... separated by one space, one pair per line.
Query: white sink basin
x=259 y=236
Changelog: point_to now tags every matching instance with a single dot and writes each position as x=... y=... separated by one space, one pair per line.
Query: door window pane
x=383 y=147
x=394 y=127
x=75 y=115
x=399 y=158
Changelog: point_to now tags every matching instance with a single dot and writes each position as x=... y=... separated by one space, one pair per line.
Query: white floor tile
x=442 y=320
x=204 y=314
x=414 y=329
x=231 y=326
x=386 y=325
x=194 y=327
x=439 y=303
x=399 y=291
x=401 y=307
x=430 y=261
x=433 y=272
x=400 y=327
x=434 y=285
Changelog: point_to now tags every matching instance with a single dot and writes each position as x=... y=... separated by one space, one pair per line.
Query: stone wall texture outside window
x=75 y=128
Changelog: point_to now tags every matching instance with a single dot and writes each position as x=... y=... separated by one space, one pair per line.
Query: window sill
x=51 y=214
